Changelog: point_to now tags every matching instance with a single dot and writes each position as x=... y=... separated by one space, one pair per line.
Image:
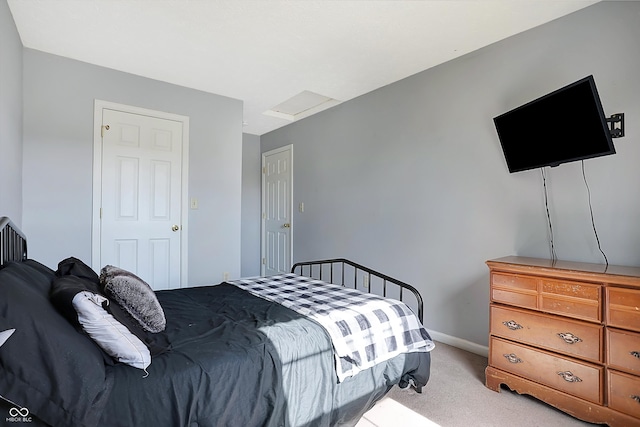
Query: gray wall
x=10 y=117
x=251 y=193
x=410 y=179
x=59 y=96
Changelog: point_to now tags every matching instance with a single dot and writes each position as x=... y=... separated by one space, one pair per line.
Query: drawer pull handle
x=569 y=338
x=511 y=324
x=635 y=397
x=569 y=377
x=512 y=358
x=635 y=354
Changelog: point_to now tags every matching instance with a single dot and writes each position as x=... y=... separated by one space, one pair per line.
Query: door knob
x=287 y=225
x=175 y=228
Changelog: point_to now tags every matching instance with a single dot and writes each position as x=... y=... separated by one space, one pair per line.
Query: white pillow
x=112 y=336
x=4 y=335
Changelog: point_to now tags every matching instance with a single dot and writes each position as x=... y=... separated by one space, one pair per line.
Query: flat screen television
x=565 y=125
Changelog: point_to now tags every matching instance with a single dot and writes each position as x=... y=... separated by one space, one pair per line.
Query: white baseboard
x=469 y=346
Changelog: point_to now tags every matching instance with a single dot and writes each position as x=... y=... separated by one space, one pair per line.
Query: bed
x=227 y=355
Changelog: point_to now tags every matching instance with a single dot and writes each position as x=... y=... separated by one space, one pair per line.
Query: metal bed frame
x=347 y=273
x=13 y=243
x=340 y=271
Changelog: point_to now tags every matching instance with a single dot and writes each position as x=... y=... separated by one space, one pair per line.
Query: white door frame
x=263 y=237
x=99 y=105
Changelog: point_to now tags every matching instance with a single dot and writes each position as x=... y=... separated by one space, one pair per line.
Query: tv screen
x=565 y=125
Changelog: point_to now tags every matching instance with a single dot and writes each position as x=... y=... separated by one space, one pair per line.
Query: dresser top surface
x=568 y=266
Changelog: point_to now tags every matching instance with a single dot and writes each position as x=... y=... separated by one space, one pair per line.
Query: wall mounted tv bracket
x=616 y=125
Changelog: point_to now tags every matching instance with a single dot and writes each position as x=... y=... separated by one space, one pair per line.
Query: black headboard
x=13 y=243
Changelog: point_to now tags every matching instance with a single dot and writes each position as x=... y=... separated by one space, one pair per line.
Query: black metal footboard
x=340 y=271
x=13 y=244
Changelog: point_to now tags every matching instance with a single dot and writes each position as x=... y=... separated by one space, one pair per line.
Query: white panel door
x=141 y=196
x=277 y=177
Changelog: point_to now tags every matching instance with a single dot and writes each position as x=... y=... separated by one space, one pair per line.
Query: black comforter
x=239 y=360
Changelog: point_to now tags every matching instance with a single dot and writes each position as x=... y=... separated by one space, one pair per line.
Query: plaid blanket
x=365 y=329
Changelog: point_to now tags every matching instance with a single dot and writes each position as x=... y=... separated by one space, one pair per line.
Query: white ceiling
x=264 y=52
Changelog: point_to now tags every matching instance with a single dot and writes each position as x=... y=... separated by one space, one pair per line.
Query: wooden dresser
x=567 y=333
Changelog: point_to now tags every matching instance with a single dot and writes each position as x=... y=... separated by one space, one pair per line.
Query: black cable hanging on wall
x=593 y=223
x=554 y=257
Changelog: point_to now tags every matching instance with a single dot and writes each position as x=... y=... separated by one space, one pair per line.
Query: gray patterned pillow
x=135 y=296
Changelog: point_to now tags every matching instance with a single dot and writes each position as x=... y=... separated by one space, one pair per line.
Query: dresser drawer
x=514 y=289
x=624 y=393
x=555 y=333
x=565 y=297
x=575 y=299
x=623 y=350
x=577 y=378
x=623 y=308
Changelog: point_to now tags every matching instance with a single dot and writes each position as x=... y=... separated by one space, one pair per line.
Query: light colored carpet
x=457 y=397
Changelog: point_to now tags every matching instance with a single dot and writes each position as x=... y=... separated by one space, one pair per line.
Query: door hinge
x=264 y=169
x=102 y=129
x=264 y=261
x=100 y=213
